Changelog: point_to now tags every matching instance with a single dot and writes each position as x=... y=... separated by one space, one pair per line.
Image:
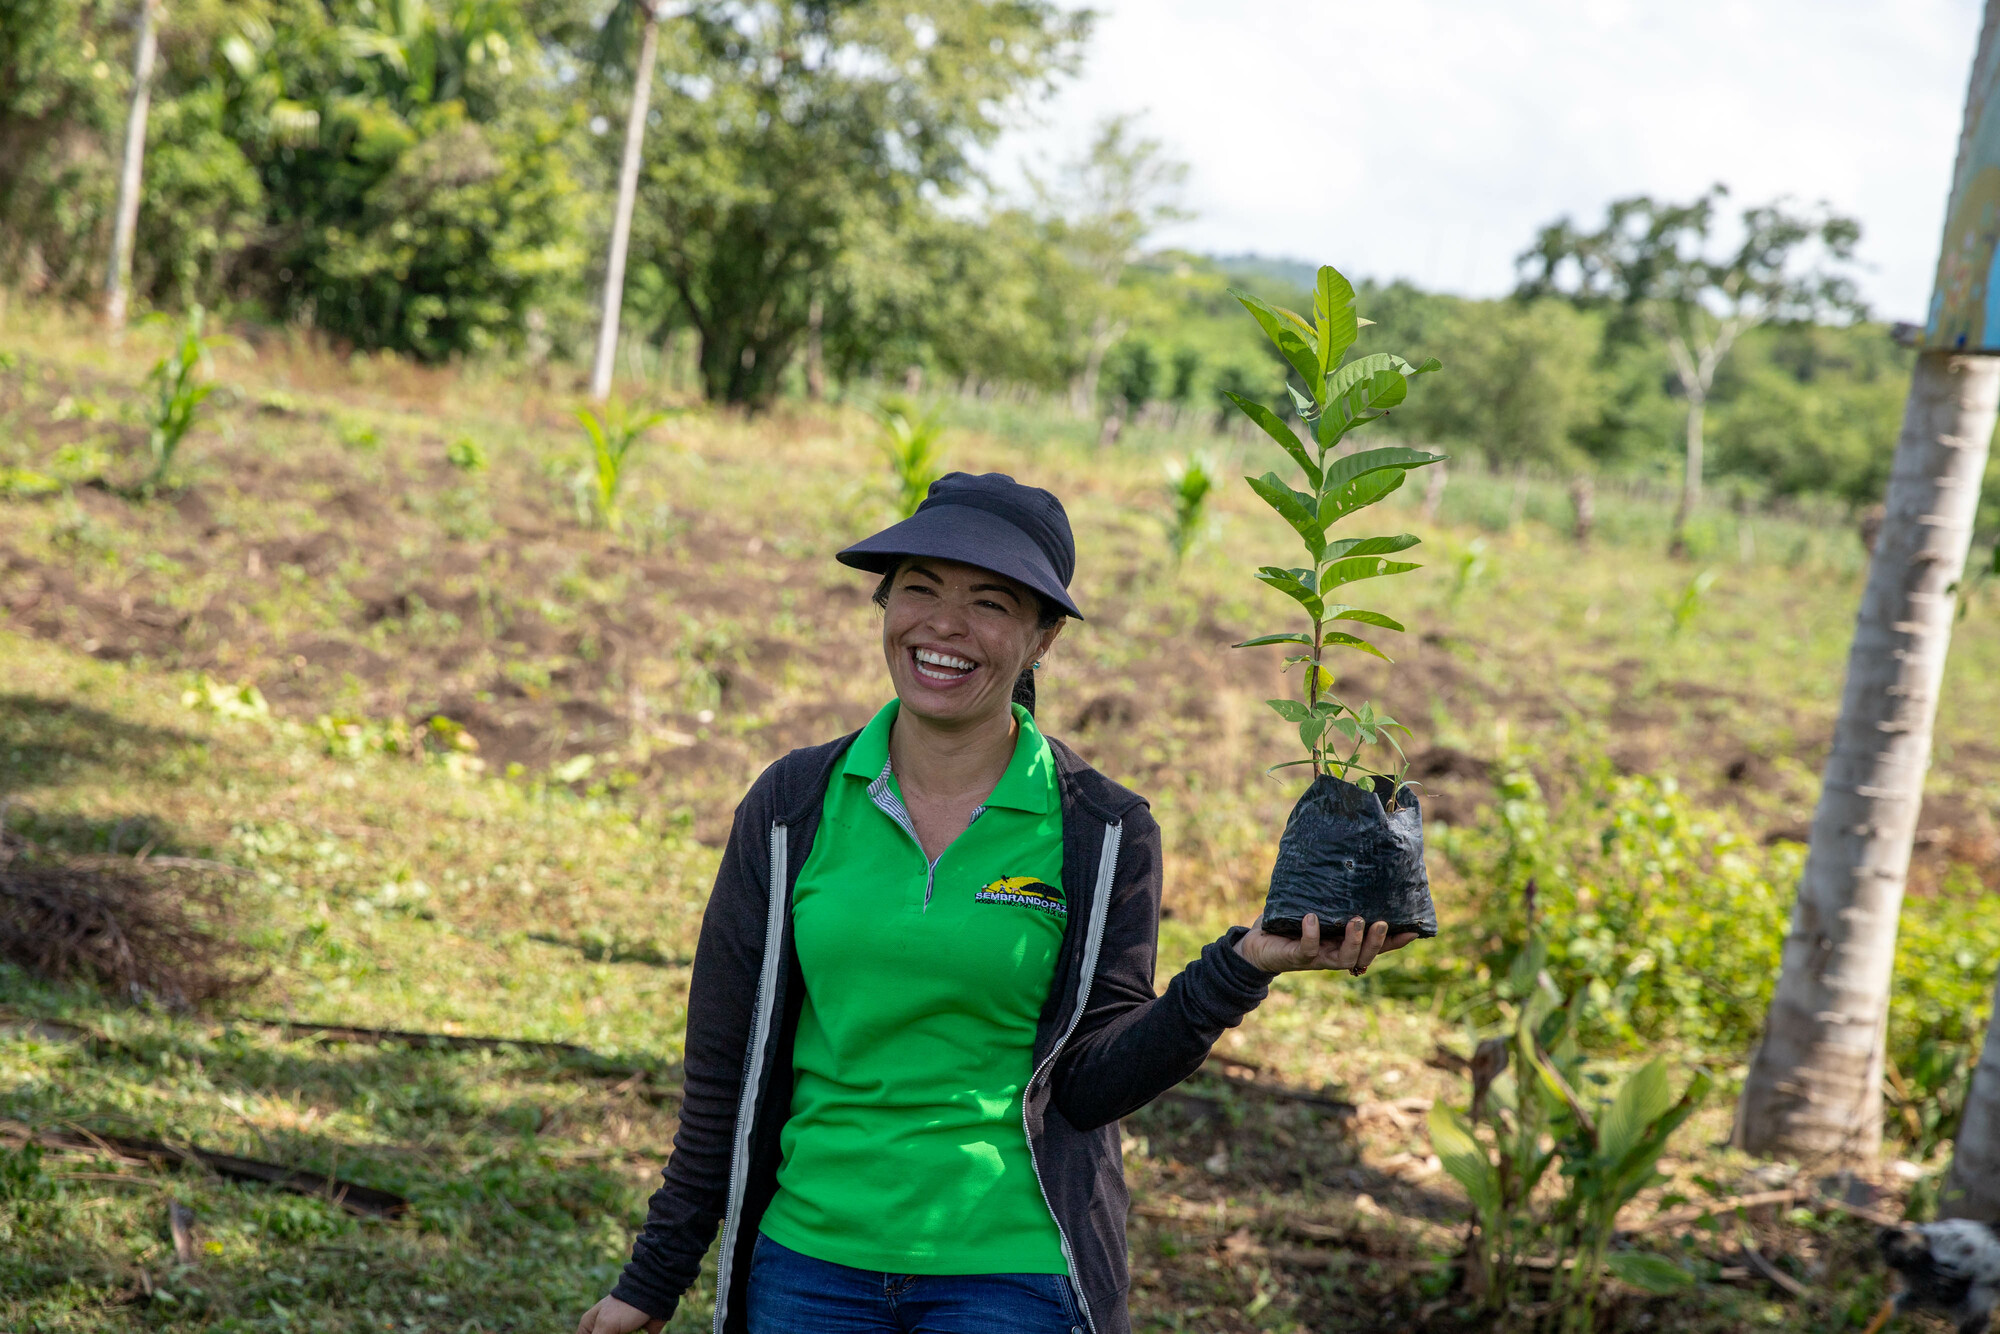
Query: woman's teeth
x=941 y=666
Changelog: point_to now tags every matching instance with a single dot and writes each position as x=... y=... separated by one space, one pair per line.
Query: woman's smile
x=941 y=670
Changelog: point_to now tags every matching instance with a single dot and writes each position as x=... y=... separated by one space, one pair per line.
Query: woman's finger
x=1399 y=940
x=1306 y=948
x=1371 y=946
x=1342 y=953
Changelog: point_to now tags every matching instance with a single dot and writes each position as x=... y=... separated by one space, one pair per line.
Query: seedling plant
x=1527 y=1117
x=178 y=393
x=1189 y=482
x=1340 y=397
x=612 y=437
x=913 y=443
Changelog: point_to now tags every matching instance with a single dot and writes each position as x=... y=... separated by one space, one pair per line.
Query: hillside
x=533 y=865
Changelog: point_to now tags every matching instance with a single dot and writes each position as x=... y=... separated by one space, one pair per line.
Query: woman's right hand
x=612 y=1316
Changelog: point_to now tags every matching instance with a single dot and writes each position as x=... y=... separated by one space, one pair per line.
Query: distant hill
x=1272 y=268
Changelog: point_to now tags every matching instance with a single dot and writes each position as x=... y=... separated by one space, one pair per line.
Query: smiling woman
x=923 y=995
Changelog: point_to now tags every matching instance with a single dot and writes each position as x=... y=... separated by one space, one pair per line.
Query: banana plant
x=1340 y=397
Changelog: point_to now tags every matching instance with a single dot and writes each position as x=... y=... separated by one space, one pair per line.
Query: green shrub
x=1667 y=920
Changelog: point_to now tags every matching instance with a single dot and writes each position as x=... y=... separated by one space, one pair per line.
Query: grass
x=621 y=690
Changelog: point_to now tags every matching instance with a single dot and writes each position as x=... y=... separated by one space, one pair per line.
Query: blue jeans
x=796 y=1294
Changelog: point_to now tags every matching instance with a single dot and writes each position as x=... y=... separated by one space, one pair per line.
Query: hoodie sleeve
x=682 y=1217
x=1131 y=1045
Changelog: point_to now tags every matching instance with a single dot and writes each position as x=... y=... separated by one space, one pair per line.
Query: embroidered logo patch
x=1024 y=891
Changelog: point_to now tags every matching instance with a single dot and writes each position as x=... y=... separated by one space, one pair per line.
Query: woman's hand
x=1353 y=951
x=612 y=1316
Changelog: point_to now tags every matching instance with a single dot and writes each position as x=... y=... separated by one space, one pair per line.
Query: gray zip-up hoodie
x=1105 y=1046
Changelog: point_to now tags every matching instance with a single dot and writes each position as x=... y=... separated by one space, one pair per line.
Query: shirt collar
x=1028 y=785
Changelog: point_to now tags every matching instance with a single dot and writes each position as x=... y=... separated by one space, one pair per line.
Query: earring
x=1035 y=665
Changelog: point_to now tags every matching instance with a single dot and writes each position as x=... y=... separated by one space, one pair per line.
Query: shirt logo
x=1024 y=891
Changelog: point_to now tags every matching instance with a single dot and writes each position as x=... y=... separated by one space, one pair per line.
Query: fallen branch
x=366 y=1201
x=1694 y=1213
x=1770 y=1271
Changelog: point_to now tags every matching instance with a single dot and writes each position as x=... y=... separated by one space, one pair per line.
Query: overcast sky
x=1430 y=138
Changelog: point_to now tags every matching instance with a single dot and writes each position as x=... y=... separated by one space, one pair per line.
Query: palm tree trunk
x=118 y=276
x=1972 y=1187
x=621 y=223
x=1814 y=1084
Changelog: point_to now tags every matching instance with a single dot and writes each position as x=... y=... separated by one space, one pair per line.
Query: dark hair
x=1047 y=617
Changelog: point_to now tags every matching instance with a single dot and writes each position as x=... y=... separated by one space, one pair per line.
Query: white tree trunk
x=1815 y=1082
x=621 y=222
x=1972 y=1187
x=118 y=275
x=1691 y=467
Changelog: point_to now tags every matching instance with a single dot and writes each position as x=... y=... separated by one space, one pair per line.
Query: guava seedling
x=1353 y=846
x=1339 y=397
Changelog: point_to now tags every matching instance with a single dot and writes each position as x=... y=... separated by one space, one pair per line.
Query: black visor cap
x=988 y=520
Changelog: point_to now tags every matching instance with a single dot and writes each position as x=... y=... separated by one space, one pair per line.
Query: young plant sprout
x=611 y=439
x=1189 y=482
x=178 y=393
x=1339 y=398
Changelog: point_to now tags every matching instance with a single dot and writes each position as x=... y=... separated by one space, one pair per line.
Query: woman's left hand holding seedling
x=1353 y=950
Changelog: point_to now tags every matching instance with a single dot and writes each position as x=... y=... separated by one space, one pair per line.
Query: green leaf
x=1648 y=1272
x=1293 y=588
x=1640 y=1101
x=1291 y=710
x=1361 y=368
x=1310 y=730
x=1333 y=312
x=1294 y=507
x=1339 y=613
x=1279 y=432
x=1360 y=567
x=1366 y=461
x=1370 y=546
x=1464 y=1159
x=1288 y=332
x=1374 y=396
x=1262 y=640
x=1429 y=364
x=1358 y=494
x=1336 y=637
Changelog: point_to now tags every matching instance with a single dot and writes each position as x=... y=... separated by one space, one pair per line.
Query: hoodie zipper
x=753 y=1071
x=1093 y=938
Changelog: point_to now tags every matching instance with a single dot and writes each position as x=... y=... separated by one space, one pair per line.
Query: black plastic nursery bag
x=1345 y=855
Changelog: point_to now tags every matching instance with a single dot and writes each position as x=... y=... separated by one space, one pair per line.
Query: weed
x=1467 y=568
x=1188 y=483
x=359 y=435
x=914 y=446
x=612 y=437
x=1685 y=607
x=466 y=455
x=178 y=394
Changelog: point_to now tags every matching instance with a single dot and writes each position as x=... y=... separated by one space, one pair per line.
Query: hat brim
x=969 y=536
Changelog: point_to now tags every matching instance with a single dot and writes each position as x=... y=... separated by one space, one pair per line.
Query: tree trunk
x=118 y=276
x=1690 y=469
x=1815 y=1081
x=815 y=353
x=1972 y=1187
x=621 y=222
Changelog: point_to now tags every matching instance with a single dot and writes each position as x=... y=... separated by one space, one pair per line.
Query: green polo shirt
x=905 y=1152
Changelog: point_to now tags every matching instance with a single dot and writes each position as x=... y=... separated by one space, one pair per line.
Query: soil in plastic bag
x=1345 y=855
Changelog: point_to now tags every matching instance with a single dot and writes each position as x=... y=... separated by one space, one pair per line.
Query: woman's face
x=956 y=636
